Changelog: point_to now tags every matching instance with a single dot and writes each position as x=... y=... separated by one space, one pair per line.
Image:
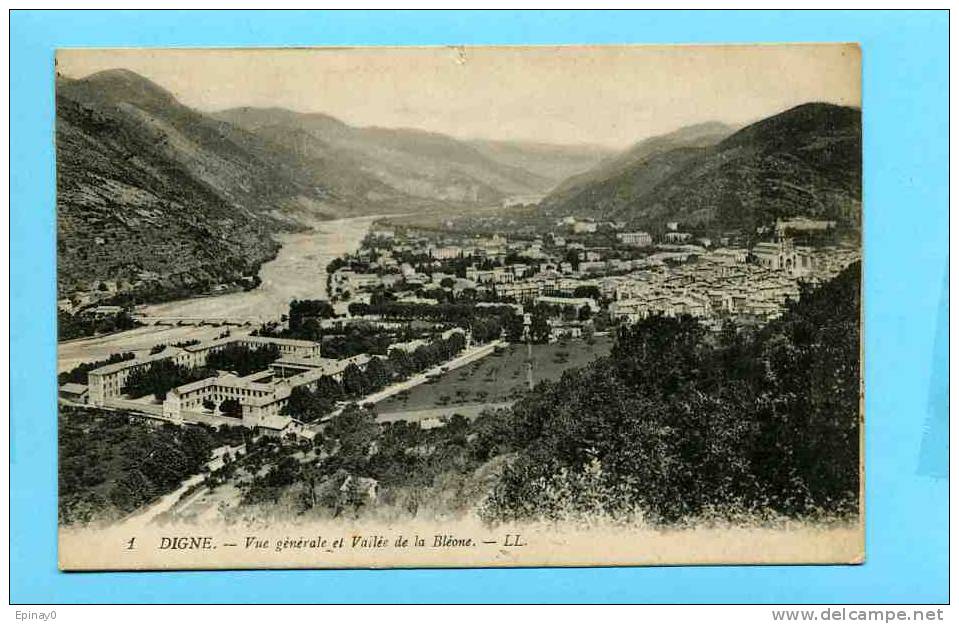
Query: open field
x=497 y=378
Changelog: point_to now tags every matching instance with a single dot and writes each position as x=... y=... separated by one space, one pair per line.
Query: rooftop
x=109 y=369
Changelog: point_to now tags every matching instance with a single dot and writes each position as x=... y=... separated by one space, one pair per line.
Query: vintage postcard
x=459 y=306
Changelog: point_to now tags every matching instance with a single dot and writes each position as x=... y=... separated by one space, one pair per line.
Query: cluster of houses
x=722 y=285
x=674 y=277
x=492 y=268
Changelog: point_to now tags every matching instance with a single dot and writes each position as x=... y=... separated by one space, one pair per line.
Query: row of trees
x=459 y=314
x=78 y=374
x=311 y=405
x=82 y=324
x=486 y=323
x=242 y=360
x=162 y=376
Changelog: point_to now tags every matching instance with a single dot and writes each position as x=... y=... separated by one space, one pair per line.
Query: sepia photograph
x=459 y=306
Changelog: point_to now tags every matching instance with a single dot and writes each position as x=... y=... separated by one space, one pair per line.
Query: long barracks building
x=261 y=395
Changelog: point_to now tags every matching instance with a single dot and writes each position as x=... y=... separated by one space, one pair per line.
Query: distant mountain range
x=689 y=138
x=418 y=166
x=166 y=201
x=150 y=187
x=805 y=161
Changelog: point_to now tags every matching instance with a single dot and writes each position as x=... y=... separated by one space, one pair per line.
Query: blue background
x=905 y=105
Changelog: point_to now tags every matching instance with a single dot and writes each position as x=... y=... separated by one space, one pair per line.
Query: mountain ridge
x=805 y=161
x=192 y=200
x=419 y=162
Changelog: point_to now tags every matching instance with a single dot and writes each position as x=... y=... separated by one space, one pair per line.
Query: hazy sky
x=610 y=95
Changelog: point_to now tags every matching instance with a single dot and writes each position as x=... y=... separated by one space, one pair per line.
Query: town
x=415 y=302
x=582 y=272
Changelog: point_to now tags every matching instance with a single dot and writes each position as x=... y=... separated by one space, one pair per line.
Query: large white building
x=636 y=239
x=677 y=237
x=784 y=256
x=576 y=303
x=445 y=253
x=260 y=395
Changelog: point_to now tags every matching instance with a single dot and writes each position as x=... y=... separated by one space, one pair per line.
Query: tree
x=539 y=327
x=588 y=333
x=456 y=343
x=587 y=291
x=377 y=376
x=310 y=330
x=401 y=363
x=676 y=425
x=208 y=404
x=486 y=329
x=514 y=327
x=231 y=408
x=308 y=405
x=354 y=382
x=355 y=430
x=305 y=310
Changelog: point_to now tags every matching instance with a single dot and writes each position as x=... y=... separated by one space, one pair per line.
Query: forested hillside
x=674 y=426
x=126 y=209
x=652 y=160
x=162 y=200
x=805 y=161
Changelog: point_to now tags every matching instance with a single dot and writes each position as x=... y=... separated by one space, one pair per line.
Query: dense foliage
x=305 y=316
x=673 y=427
x=110 y=464
x=402 y=459
x=242 y=360
x=309 y=405
x=359 y=338
x=162 y=376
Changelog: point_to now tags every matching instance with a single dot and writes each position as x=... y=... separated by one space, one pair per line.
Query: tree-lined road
x=467 y=357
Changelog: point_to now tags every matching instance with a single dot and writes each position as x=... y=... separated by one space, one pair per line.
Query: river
x=297 y=272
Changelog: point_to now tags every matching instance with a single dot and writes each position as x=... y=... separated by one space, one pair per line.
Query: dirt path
x=166 y=503
x=471 y=355
x=471 y=411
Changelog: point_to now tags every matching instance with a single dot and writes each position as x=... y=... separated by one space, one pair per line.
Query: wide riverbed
x=298 y=272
